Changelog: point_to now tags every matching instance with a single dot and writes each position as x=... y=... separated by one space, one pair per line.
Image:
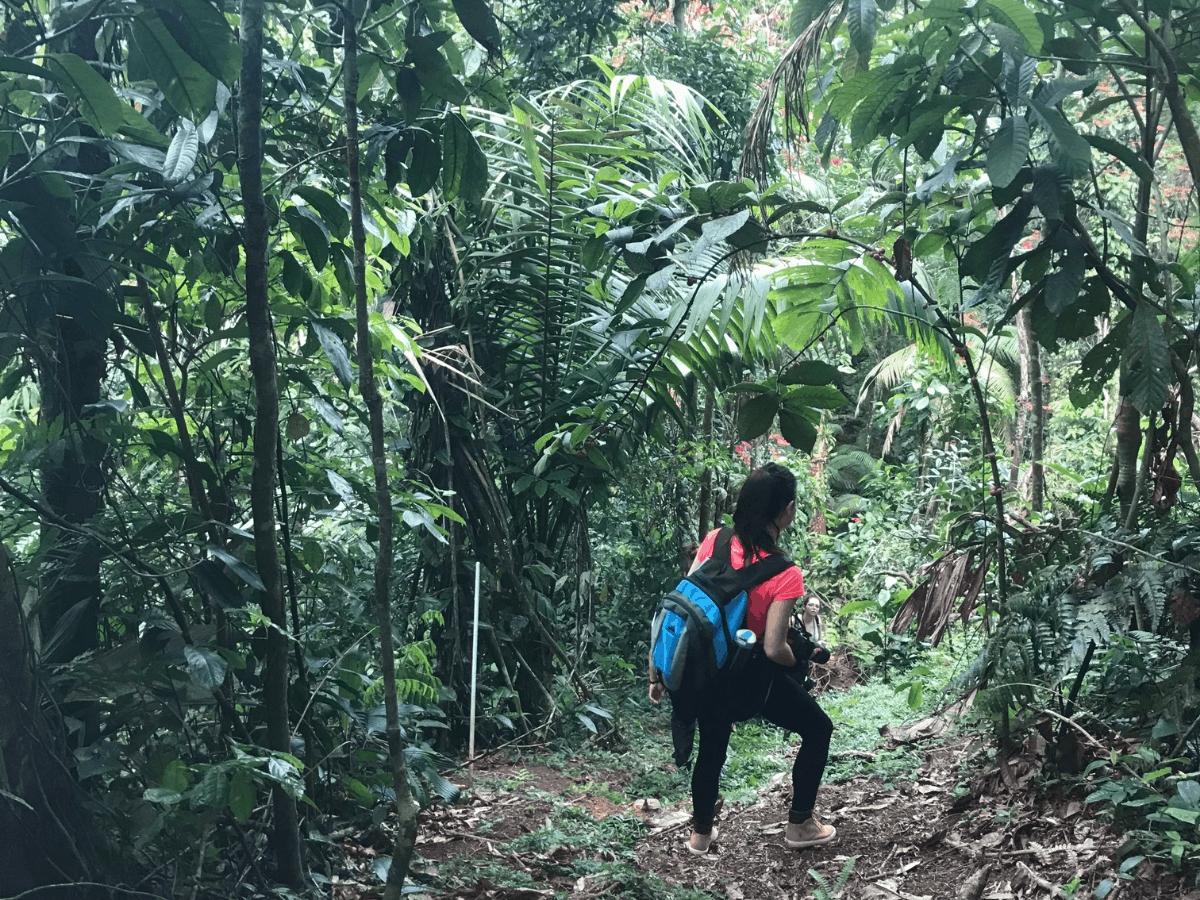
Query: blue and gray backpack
x=691 y=634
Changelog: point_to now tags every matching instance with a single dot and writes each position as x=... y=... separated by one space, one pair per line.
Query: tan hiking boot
x=808 y=833
x=699 y=844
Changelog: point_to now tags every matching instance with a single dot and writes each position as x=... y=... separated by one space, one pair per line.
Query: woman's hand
x=657 y=690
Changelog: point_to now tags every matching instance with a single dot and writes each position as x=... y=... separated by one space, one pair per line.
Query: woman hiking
x=766 y=506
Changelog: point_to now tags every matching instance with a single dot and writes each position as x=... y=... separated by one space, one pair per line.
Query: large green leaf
x=797 y=430
x=944 y=176
x=1052 y=193
x=181 y=154
x=1145 y=361
x=204 y=34
x=810 y=371
x=1063 y=285
x=434 y=72
x=24 y=67
x=1070 y=150
x=336 y=352
x=1010 y=148
x=1021 y=18
x=336 y=219
x=1123 y=152
x=91 y=93
x=464 y=166
x=242 y=795
x=476 y=16
x=426 y=162
x=824 y=396
x=238 y=567
x=862 y=20
x=187 y=85
x=756 y=415
x=307 y=225
x=135 y=125
x=997 y=243
x=206 y=666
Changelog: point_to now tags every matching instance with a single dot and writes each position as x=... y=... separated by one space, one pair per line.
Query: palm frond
x=888 y=372
x=893 y=429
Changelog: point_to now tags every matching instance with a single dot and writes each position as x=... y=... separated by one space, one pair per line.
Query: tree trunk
x=679 y=15
x=286 y=836
x=1037 y=397
x=706 y=478
x=1129 y=440
x=44 y=839
x=1024 y=340
x=71 y=371
x=70 y=376
x=1183 y=427
x=1143 y=476
x=406 y=807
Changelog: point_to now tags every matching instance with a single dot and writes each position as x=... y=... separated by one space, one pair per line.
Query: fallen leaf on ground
x=668 y=819
x=972 y=888
x=929 y=727
x=889 y=890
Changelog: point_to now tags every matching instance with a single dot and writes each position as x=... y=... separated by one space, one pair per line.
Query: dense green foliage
x=957 y=297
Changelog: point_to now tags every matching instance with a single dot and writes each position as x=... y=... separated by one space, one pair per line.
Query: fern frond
x=1004 y=347
x=997 y=382
x=849 y=467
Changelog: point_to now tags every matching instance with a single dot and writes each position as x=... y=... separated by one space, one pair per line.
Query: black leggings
x=790 y=707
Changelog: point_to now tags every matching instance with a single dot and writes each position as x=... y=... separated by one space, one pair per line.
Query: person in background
x=810 y=619
x=766 y=506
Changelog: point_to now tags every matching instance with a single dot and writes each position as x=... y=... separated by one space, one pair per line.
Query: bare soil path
x=928 y=837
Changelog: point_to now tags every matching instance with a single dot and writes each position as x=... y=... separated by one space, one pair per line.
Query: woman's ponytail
x=764 y=495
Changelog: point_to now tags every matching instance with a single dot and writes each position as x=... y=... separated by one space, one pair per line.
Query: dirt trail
x=911 y=843
x=998 y=840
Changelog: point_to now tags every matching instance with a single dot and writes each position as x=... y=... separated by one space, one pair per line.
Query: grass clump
x=570 y=826
x=756 y=753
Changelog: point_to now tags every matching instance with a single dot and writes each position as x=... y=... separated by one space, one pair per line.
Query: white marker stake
x=474 y=671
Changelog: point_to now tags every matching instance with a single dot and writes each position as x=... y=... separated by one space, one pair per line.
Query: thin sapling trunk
x=406 y=807
x=255 y=232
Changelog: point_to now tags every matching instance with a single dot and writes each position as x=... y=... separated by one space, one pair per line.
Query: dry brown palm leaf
x=932 y=604
x=792 y=72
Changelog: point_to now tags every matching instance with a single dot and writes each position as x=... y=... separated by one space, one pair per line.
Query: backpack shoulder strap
x=723 y=546
x=756 y=572
x=765 y=569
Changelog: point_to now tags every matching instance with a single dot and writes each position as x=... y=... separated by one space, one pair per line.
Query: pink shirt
x=787 y=585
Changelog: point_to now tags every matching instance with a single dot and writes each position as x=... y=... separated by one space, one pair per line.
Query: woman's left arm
x=775 y=644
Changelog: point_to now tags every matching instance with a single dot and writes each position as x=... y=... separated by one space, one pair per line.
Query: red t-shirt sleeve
x=708 y=545
x=787 y=585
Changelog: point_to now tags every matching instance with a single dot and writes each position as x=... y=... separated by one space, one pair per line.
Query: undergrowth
x=859 y=713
